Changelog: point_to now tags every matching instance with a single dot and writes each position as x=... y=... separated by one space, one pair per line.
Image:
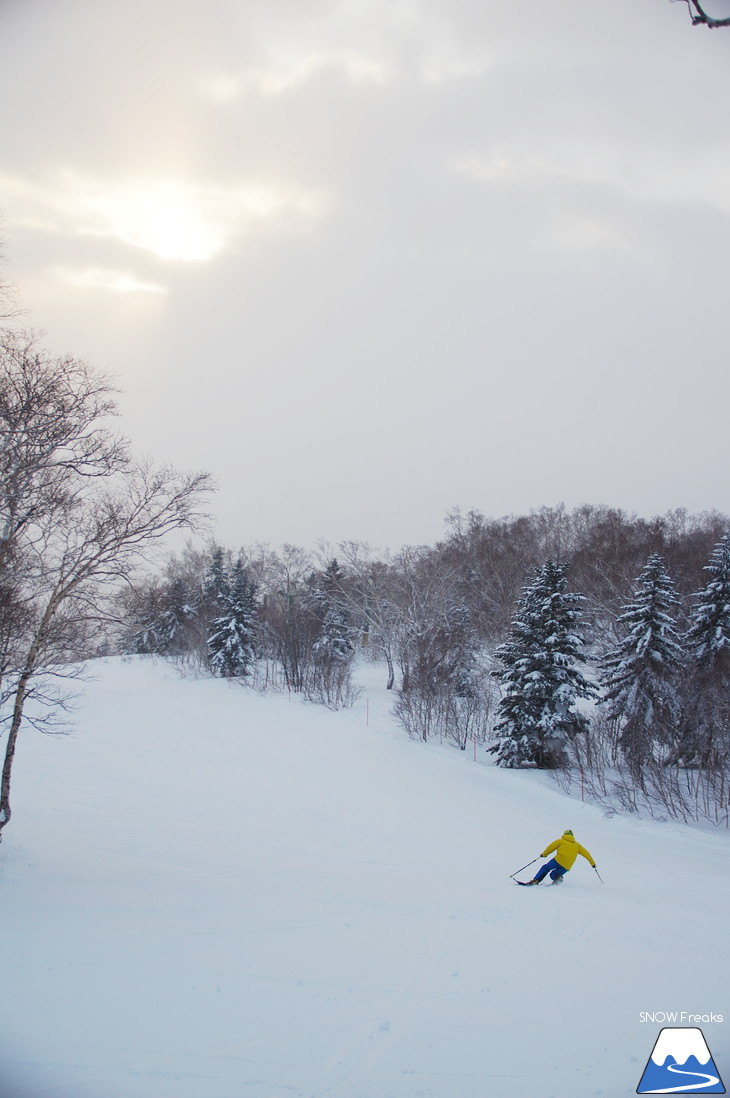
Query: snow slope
x=207 y=893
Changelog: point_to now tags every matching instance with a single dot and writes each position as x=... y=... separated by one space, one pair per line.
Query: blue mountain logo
x=680 y=1063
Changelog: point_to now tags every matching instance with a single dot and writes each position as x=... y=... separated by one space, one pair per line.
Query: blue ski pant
x=555 y=869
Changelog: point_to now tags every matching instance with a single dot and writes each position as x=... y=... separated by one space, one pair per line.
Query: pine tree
x=243 y=620
x=329 y=676
x=639 y=675
x=217 y=586
x=708 y=638
x=334 y=635
x=159 y=622
x=705 y=735
x=541 y=681
x=231 y=638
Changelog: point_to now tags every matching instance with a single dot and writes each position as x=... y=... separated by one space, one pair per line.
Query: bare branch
x=700 y=17
x=77 y=515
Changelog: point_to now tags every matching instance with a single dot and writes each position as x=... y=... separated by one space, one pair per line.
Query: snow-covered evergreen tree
x=541 y=681
x=231 y=638
x=333 y=651
x=639 y=675
x=708 y=638
x=159 y=622
x=706 y=728
x=144 y=636
x=217 y=585
x=334 y=640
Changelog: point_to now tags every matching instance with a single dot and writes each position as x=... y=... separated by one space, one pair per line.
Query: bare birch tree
x=77 y=515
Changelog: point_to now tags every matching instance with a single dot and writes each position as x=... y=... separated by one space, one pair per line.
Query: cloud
x=286 y=70
x=120 y=282
x=187 y=222
x=378 y=43
x=427 y=230
x=173 y=219
x=221 y=87
x=651 y=174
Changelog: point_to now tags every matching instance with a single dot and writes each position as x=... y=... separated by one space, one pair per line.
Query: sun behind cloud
x=175 y=220
x=186 y=222
x=169 y=219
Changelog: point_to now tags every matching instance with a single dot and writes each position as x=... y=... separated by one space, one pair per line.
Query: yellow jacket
x=566 y=851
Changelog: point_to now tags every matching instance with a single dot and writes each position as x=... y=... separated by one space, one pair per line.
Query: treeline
x=269 y=619
x=649 y=726
x=589 y=642
x=529 y=635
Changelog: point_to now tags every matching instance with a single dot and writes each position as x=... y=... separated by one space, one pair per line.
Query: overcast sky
x=368 y=260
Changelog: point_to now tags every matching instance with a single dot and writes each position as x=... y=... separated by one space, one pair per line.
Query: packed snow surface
x=209 y=893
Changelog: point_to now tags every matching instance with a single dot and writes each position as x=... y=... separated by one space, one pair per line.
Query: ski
x=528 y=883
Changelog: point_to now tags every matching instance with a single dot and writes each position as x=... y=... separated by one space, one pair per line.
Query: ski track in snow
x=210 y=894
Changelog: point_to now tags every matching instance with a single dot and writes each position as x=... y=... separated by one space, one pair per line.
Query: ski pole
x=524 y=867
x=600 y=878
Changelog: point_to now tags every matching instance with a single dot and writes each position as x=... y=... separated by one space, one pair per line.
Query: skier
x=566 y=851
